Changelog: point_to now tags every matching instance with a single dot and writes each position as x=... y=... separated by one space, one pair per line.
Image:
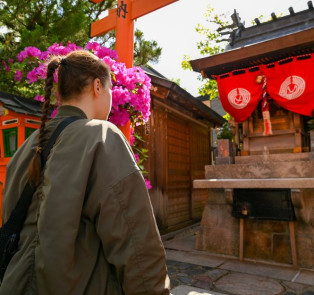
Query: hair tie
x=39 y=149
x=64 y=61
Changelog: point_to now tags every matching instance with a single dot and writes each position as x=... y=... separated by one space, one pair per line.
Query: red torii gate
x=122 y=18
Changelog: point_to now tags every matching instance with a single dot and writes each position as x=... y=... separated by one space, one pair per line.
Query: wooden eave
x=256 y=54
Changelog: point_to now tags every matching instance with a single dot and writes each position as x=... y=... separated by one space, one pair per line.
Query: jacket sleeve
x=130 y=238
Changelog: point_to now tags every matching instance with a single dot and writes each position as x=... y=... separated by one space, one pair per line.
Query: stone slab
x=270 y=169
x=305 y=277
x=188 y=290
x=265 y=270
x=195 y=258
x=243 y=284
x=255 y=183
x=224 y=160
x=273 y=158
x=183 y=244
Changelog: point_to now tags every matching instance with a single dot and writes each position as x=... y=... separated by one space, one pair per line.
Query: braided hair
x=76 y=71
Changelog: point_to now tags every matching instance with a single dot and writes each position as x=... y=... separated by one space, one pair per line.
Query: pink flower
x=54 y=113
x=39 y=98
x=72 y=46
x=44 y=55
x=104 y=51
x=119 y=117
x=32 y=51
x=137 y=158
x=28 y=52
x=58 y=49
x=55 y=76
x=132 y=138
x=21 y=56
x=10 y=60
x=6 y=68
x=41 y=71
x=94 y=46
x=148 y=184
x=18 y=75
x=32 y=76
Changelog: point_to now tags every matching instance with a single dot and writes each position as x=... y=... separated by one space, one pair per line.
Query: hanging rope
x=265 y=110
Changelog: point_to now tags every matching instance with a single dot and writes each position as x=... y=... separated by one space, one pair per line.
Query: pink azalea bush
x=130 y=91
x=131 y=87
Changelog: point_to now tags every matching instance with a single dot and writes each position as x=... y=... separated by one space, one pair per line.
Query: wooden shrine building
x=261 y=206
x=277 y=40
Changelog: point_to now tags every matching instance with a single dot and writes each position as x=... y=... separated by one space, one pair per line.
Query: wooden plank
x=241 y=238
x=179 y=184
x=172 y=221
x=159 y=175
x=293 y=244
x=200 y=156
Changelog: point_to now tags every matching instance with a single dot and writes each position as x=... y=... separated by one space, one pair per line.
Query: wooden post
x=293 y=243
x=241 y=238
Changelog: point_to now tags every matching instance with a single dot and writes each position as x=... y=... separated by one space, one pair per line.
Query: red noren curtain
x=240 y=93
x=290 y=83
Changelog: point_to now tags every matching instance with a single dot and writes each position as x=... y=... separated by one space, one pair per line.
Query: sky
x=173 y=27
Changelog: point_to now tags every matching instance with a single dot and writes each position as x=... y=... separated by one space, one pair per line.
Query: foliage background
x=41 y=23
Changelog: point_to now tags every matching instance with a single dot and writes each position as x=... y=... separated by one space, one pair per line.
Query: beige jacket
x=90 y=228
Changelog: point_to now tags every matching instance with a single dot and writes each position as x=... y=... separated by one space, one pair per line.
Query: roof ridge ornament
x=236 y=27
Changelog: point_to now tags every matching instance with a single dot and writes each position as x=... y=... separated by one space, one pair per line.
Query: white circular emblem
x=292 y=87
x=239 y=98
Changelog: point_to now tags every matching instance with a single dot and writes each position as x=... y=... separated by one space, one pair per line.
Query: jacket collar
x=69 y=111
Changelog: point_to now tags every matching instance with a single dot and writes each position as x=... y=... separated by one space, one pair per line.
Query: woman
x=90 y=228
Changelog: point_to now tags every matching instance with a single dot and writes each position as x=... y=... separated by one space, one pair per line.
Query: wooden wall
x=179 y=148
x=287 y=127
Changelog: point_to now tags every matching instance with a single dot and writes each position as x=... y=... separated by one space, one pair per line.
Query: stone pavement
x=195 y=272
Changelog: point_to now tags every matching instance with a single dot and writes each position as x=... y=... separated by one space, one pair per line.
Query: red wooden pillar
x=125 y=32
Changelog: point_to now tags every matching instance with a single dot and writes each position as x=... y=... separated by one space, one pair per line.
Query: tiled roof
x=20 y=104
x=183 y=98
x=277 y=27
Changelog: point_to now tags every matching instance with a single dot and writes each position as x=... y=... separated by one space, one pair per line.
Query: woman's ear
x=96 y=87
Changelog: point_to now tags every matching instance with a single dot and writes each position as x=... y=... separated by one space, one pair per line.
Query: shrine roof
x=262 y=43
x=21 y=105
x=183 y=98
x=151 y=71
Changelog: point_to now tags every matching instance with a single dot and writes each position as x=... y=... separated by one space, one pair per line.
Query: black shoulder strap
x=25 y=199
x=54 y=137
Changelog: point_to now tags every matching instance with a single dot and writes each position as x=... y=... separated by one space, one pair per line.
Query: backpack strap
x=21 y=208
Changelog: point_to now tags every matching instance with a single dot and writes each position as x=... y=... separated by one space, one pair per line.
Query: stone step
x=291 y=183
x=270 y=169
